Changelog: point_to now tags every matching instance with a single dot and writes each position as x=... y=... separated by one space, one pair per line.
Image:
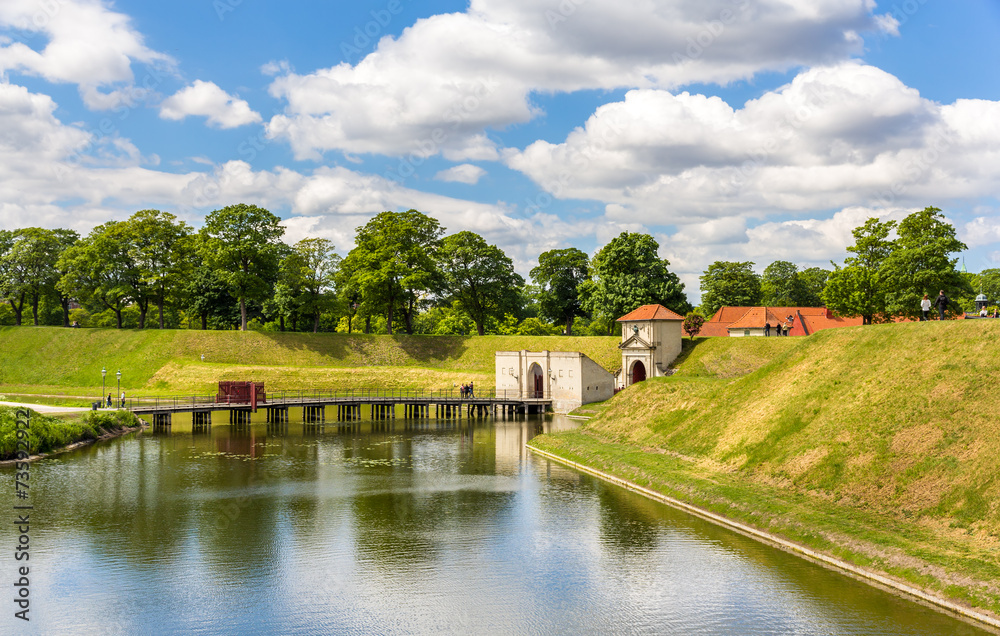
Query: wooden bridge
x=345 y=405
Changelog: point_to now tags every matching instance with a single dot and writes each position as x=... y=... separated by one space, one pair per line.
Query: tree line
x=405 y=274
x=891 y=266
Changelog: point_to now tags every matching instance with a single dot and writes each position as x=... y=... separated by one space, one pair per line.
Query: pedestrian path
x=46 y=408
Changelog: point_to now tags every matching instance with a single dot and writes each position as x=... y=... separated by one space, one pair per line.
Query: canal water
x=436 y=527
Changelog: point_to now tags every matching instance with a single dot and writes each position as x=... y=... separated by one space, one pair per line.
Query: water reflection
x=402 y=527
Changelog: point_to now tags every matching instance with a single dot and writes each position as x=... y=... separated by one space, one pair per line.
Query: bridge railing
x=283 y=398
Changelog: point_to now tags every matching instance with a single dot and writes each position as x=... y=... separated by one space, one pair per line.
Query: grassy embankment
x=57 y=361
x=876 y=445
x=46 y=433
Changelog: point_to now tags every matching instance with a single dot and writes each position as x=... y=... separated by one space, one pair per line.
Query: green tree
x=919 y=263
x=243 y=246
x=205 y=293
x=987 y=282
x=99 y=271
x=729 y=283
x=159 y=246
x=626 y=274
x=479 y=276
x=312 y=267
x=392 y=264
x=66 y=239
x=29 y=267
x=537 y=327
x=781 y=286
x=12 y=285
x=858 y=288
x=559 y=274
x=693 y=323
x=812 y=281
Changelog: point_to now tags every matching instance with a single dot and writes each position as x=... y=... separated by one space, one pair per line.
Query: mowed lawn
x=59 y=361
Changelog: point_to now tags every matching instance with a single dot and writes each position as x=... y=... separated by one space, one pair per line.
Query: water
x=450 y=528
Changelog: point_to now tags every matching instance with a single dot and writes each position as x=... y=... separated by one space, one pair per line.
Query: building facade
x=569 y=378
x=651 y=339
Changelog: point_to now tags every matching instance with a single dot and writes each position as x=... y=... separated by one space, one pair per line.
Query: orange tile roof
x=714 y=329
x=808 y=320
x=755 y=318
x=650 y=312
x=729 y=314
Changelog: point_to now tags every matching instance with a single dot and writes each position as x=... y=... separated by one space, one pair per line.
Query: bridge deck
x=157 y=405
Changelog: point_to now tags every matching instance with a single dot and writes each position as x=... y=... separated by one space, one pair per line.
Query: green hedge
x=47 y=433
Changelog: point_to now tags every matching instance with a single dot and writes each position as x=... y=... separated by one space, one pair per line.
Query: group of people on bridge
x=467 y=391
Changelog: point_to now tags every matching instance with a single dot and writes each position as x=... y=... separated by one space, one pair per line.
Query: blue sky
x=729 y=129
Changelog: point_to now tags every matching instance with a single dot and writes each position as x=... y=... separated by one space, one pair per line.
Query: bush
x=47 y=433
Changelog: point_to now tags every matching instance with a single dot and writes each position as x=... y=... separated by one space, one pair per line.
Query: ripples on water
x=452 y=529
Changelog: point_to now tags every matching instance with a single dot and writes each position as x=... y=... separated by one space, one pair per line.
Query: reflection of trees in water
x=143 y=498
x=412 y=510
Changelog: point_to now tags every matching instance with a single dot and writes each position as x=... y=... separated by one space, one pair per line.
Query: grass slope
x=878 y=444
x=66 y=361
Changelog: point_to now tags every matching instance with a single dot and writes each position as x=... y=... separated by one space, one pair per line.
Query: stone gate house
x=651 y=339
x=569 y=378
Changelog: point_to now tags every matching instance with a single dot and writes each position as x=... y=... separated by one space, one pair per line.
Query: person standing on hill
x=925 y=308
x=941 y=302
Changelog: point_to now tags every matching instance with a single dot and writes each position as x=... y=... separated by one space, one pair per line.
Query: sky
x=747 y=130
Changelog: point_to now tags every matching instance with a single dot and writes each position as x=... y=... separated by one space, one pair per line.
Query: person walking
x=123 y=400
x=941 y=302
x=925 y=308
x=767 y=329
x=109 y=400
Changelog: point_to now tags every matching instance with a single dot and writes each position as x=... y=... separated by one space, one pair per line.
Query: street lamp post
x=104 y=373
x=119 y=376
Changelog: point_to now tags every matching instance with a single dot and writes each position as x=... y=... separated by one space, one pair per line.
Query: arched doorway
x=638 y=372
x=536 y=381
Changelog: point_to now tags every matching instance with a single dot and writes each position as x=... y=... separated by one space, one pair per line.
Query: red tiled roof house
x=751 y=321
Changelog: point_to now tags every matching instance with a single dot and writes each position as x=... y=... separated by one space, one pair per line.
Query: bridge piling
x=201 y=421
x=239 y=417
x=161 y=421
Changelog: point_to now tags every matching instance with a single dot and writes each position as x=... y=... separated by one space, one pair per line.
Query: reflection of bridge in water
x=343 y=406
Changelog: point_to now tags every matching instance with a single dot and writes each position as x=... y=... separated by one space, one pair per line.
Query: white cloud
x=208 y=100
x=805 y=242
x=61 y=176
x=982 y=230
x=448 y=78
x=465 y=173
x=276 y=67
x=87 y=44
x=836 y=136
